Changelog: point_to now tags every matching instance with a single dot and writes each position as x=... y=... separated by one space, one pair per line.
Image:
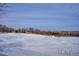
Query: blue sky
x=42 y=16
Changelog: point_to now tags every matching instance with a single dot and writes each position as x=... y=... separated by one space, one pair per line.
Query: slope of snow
x=33 y=44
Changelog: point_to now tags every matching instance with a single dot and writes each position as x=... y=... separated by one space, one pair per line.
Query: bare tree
x=2 y=6
x=2 y=9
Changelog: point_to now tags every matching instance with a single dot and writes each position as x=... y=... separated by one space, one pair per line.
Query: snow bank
x=33 y=44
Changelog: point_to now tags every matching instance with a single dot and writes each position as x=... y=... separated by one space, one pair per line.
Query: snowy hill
x=33 y=44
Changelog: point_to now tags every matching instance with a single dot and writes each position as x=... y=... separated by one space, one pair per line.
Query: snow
x=19 y=44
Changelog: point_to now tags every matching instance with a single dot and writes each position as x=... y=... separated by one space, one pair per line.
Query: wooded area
x=5 y=29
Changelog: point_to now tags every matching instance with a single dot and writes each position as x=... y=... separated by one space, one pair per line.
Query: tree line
x=5 y=29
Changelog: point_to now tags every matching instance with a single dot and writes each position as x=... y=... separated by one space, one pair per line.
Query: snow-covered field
x=37 y=45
